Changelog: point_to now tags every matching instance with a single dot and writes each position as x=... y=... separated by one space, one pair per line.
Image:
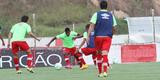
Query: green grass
x=141 y=71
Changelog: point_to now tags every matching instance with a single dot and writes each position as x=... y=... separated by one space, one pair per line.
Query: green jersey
x=68 y=41
x=19 y=31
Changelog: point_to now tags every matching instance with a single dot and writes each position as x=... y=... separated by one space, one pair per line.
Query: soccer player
x=103 y=23
x=17 y=36
x=69 y=48
x=1 y=37
x=89 y=49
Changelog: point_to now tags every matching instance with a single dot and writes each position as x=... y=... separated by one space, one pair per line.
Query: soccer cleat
x=105 y=74
x=100 y=75
x=68 y=67
x=30 y=70
x=18 y=72
x=85 y=66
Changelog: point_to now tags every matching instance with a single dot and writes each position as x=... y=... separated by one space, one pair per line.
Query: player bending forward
x=69 y=48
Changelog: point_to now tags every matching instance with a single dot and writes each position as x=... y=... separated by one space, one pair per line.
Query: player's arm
x=54 y=38
x=91 y=28
x=2 y=40
x=78 y=36
x=92 y=25
x=32 y=35
x=9 y=39
x=82 y=43
x=114 y=30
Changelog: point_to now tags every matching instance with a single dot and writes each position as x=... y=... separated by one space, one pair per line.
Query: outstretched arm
x=9 y=39
x=2 y=40
x=89 y=31
x=78 y=36
x=32 y=35
x=51 y=41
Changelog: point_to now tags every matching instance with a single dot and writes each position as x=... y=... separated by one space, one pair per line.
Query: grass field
x=140 y=71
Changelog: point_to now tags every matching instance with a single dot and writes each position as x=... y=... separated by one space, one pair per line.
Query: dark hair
x=103 y=4
x=67 y=29
x=87 y=26
x=24 y=18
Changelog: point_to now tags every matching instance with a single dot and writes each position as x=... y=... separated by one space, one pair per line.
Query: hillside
x=53 y=15
x=133 y=7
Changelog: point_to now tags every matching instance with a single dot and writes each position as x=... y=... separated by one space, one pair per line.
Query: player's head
x=103 y=4
x=67 y=31
x=24 y=18
x=87 y=27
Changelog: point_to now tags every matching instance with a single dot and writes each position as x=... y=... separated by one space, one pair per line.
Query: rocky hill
x=122 y=7
x=133 y=7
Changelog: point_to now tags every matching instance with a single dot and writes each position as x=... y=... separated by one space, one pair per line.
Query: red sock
x=105 y=63
x=66 y=58
x=78 y=61
x=99 y=63
x=79 y=55
x=29 y=60
x=16 y=62
x=94 y=59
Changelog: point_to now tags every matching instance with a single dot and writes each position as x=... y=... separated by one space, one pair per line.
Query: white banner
x=144 y=29
x=140 y=29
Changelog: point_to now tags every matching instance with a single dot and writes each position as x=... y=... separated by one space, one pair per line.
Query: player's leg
x=82 y=62
x=105 y=49
x=99 y=64
x=66 y=58
x=94 y=57
x=105 y=62
x=98 y=46
x=15 y=50
x=24 y=46
x=78 y=61
x=29 y=61
x=79 y=58
x=89 y=51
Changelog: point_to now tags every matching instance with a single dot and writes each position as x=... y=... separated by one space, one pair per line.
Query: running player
x=89 y=49
x=69 y=48
x=17 y=36
x=103 y=23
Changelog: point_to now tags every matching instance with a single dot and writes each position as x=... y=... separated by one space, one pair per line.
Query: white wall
x=114 y=54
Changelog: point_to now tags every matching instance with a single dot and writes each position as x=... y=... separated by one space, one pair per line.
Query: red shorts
x=88 y=51
x=19 y=45
x=69 y=50
x=103 y=43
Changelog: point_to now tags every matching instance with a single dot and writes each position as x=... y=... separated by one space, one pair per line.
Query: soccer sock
x=105 y=63
x=78 y=61
x=99 y=63
x=66 y=58
x=16 y=62
x=80 y=58
x=94 y=59
x=29 y=60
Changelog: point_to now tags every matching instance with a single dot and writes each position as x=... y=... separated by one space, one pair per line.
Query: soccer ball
x=58 y=66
